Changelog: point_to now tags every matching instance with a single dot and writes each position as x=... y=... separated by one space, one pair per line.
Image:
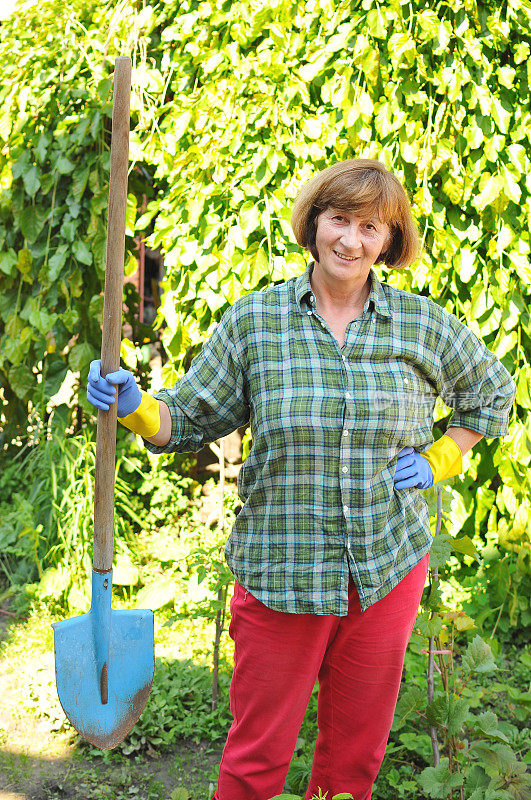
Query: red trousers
x=358 y=661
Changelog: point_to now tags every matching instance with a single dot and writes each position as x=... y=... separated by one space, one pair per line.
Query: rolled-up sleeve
x=474 y=382
x=210 y=401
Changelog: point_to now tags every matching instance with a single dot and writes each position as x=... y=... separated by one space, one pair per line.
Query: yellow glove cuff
x=445 y=458
x=146 y=419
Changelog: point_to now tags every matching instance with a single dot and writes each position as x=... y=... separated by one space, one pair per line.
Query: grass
x=56 y=763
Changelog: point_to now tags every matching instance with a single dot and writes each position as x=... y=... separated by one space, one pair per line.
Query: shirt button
x=345 y=432
x=345 y=509
x=309 y=313
x=344 y=469
x=344 y=358
x=348 y=395
x=312 y=298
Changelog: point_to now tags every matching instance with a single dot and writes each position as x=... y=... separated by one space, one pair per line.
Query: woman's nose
x=351 y=236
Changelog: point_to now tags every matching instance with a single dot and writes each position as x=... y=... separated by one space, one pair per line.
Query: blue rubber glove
x=101 y=392
x=412 y=469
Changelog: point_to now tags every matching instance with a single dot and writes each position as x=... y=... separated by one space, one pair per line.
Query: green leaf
x=131 y=265
x=448 y=711
x=486 y=793
x=286 y=797
x=402 y=49
x=80 y=356
x=95 y=308
x=14 y=326
x=478 y=657
x=64 y=165
x=125 y=574
x=441 y=550
x=143 y=221
x=104 y=88
x=79 y=182
x=5 y=125
x=22 y=381
x=410 y=701
x=32 y=222
x=53 y=583
x=15 y=349
x=130 y=215
x=156 y=594
x=21 y=165
x=429 y=627
x=465 y=545
x=490 y=187
x=429 y=22
x=506 y=344
x=180 y=124
x=55 y=369
x=69 y=228
x=460 y=620
x=41 y=319
x=70 y=319
x=476 y=778
x=42 y=146
x=438 y=781
x=497 y=758
x=487 y=725
x=129 y=353
x=82 y=252
x=31 y=180
x=57 y=262
x=24 y=261
x=523 y=382
x=249 y=218
x=523 y=698
x=8 y=261
x=500 y=115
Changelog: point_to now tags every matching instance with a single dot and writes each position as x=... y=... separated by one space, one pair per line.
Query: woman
x=338 y=374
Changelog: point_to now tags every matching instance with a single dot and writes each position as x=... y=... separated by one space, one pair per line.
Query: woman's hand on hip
x=412 y=470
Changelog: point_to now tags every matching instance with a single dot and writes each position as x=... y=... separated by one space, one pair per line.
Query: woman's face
x=349 y=245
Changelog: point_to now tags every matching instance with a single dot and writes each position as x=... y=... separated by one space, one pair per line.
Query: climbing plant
x=234 y=106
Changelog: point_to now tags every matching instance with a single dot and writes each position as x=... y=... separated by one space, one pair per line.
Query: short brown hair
x=364 y=186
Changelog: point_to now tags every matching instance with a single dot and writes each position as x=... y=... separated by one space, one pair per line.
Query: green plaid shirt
x=327 y=424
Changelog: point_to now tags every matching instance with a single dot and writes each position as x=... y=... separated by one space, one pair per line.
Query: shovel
x=104 y=660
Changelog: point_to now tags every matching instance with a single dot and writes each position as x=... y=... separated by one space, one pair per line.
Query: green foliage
x=180 y=707
x=54 y=168
x=439 y=781
x=319 y=796
x=500 y=592
x=234 y=106
x=463 y=713
x=46 y=531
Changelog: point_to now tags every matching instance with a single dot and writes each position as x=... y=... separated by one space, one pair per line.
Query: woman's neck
x=340 y=299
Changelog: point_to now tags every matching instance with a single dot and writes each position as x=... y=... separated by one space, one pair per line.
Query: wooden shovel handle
x=112 y=315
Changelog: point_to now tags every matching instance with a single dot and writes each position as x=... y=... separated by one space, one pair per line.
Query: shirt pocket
x=399 y=408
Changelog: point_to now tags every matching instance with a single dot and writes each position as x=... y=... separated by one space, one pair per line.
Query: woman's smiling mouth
x=343 y=257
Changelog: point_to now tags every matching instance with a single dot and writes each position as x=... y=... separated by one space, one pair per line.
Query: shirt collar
x=377 y=295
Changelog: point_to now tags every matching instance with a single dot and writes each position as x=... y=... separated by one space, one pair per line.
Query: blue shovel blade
x=130 y=667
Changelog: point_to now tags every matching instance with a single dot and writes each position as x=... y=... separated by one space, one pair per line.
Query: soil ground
x=37 y=764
